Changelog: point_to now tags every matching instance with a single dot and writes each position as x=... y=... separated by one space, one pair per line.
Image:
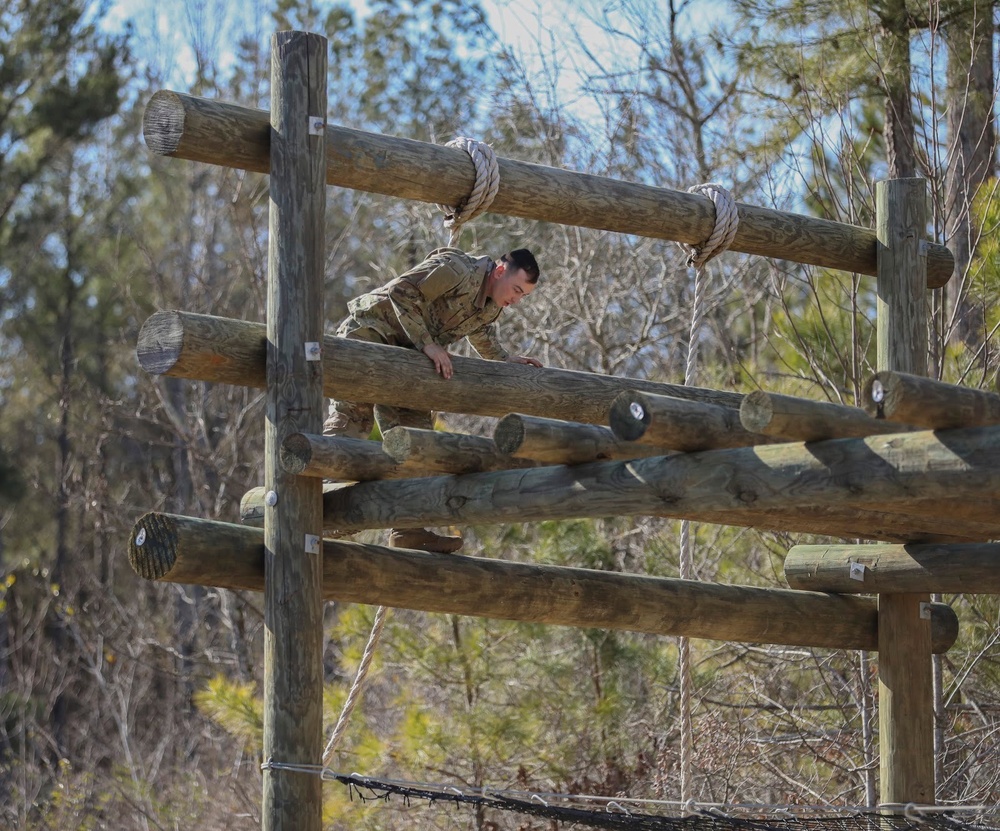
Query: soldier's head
x=513 y=278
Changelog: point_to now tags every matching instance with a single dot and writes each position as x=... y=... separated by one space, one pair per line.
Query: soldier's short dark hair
x=523 y=259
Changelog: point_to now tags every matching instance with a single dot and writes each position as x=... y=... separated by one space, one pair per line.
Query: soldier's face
x=509 y=286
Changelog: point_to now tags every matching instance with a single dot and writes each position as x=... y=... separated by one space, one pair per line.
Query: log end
x=295 y=453
x=944 y=628
x=629 y=417
x=252 y=508
x=396 y=443
x=508 y=435
x=160 y=343
x=756 y=412
x=152 y=547
x=873 y=396
x=163 y=123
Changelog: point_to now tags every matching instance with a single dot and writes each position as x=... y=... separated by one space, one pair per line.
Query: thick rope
x=356 y=687
x=727 y=220
x=483 y=192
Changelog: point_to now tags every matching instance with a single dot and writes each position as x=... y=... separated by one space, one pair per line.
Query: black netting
x=622 y=814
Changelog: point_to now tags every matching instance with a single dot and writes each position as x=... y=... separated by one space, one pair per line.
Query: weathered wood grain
x=186 y=127
x=869 y=569
x=221 y=350
x=557 y=442
x=675 y=424
x=799 y=419
x=902 y=397
x=293 y=603
x=342 y=458
x=186 y=550
x=861 y=487
x=906 y=700
x=437 y=451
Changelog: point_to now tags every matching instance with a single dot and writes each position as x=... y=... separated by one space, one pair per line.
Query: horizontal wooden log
x=441 y=452
x=226 y=351
x=186 y=127
x=900 y=569
x=558 y=442
x=202 y=552
x=924 y=402
x=675 y=424
x=822 y=520
x=343 y=458
x=756 y=487
x=799 y=419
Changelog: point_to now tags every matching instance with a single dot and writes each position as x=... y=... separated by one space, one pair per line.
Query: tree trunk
x=895 y=38
x=971 y=148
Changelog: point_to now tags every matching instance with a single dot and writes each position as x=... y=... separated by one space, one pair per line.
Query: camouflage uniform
x=440 y=301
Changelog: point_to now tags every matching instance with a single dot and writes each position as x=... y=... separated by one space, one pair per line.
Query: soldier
x=451 y=295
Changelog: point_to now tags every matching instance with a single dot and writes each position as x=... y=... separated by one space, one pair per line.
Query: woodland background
x=125 y=704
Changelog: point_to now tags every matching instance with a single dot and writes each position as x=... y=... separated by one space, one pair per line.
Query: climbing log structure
x=916 y=468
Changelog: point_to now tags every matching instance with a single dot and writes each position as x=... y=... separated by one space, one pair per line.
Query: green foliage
x=235 y=707
x=59 y=79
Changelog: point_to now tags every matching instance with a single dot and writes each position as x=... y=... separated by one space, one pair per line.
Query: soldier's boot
x=420 y=539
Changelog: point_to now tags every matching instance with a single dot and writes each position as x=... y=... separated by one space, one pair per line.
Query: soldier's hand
x=523 y=359
x=442 y=360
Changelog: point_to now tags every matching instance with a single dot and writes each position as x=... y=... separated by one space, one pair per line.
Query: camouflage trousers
x=355 y=421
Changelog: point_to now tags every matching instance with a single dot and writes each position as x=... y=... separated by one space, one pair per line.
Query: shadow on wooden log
x=672 y=423
x=799 y=419
x=924 y=402
x=557 y=442
x=844 y=487
x=186 y=550
x=440 y=452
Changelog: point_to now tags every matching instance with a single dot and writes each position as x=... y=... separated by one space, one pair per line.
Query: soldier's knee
x=350 y=420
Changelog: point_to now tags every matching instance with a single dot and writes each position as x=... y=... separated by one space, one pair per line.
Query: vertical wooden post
x=906 y=707
x=293 y=518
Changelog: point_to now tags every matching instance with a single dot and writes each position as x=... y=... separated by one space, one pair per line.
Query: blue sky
x=163 y=28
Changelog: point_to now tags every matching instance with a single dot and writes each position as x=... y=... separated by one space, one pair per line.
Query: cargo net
x=636 y=815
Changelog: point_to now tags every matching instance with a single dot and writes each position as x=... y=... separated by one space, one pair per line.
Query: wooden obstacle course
x=847 y=480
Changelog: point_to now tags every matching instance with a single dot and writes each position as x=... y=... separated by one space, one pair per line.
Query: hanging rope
x=483 y=192
x=357 y=686
x=727 y=220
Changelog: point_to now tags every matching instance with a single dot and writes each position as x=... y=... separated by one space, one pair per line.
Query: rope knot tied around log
x=483 y=192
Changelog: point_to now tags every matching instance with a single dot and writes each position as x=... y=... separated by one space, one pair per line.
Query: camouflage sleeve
x=408 y=304
x=487 y=343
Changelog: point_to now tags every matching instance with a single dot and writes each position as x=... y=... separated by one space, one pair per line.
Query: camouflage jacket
x=440 y=301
